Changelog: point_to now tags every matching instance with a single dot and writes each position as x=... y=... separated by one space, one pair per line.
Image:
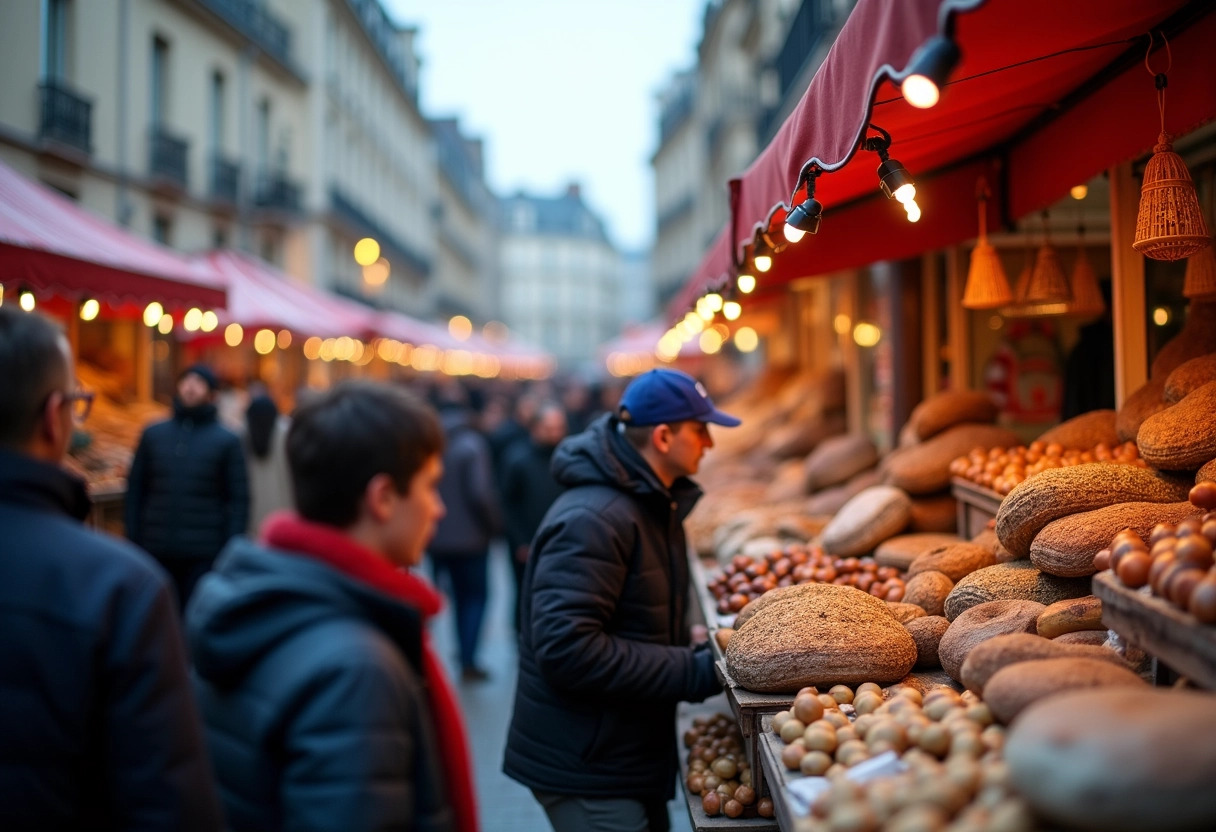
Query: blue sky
x=561 y=91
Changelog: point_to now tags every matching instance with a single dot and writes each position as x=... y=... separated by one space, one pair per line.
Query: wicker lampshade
x=1169 y=225
x=1047 y=281
x=1200 y=280
x=1087 y=298
x=987 y=286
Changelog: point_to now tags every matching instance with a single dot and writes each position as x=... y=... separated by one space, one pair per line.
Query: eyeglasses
x=81 y=402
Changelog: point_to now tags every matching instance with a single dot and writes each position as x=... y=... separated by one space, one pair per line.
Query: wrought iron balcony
x=276 y=192
x=168 y=159
x=225 y=180
x=66 y=117
x=255 y=22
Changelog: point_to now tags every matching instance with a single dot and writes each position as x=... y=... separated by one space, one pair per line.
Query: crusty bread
x=1013 y=688
x=1017 y=580
x=1189 y=376
x=925 y=468
x=951 y=407
x=980 y=623
x=927 y=632
x=901 y=550
x=1084 y=432
x=1182 y=437
x=956 y=561
x=867 y=519
x=988 y=657
x=1066 y=547
x=928 y=590
x=934 y=513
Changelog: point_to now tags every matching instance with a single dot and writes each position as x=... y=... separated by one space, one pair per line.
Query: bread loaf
x=928 y=590
x=1058 y=492
x=925 y=468
x=757 y=604
x=1198 y=337
x=988 y=539
x=1117 y=760
x=927 y=632
x=1189 y=376
x=838 y=459
x=831 y=500
x=980 y=623
x=901 y=550
x=1207 y=473
x=1083 y=638
x=956 y=561
x=936 y=513
x=1084 y=432
x=951 y=407
x=1001 y=651
x=1014 y=688
x=1017 y=580
x=788 y=482
x=1066 y=547
x=798 y=438
x=869 y=518
x=1182 y=437
x=1070 y=616
x=824 y=636
x=1142 y=403
x=904 y=612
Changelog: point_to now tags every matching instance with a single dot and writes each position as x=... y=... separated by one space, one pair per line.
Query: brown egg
x=1194 y=549
x=1134 y=569
x=1202 y=603
x=1203 y=495
x=1102 y=560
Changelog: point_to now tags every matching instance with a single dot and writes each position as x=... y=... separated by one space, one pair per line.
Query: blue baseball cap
x=662 y=396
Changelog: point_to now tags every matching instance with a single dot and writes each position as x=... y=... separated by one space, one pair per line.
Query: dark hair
x=348 y=435
x=638 y=435
x=32 y=365
x=260 y=417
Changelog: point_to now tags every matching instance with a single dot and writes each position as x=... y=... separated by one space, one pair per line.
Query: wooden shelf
x=976 y=506
x=749 y=709
x=778 y=776
x=1159 y=628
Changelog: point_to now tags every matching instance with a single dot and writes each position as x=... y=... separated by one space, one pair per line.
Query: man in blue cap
x=605 y=649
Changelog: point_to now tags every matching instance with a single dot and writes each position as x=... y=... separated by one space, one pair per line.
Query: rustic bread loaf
x=927 y=632
x=1182 y=437
x=1001 y=651
x=928 y=590
x=787 y=483
x=956 y=560
x=867 y=519
x=1117 y=760
x=988 y=539
x=1190 y=376
x=798 y=438
x=825 y=635
x=1207 y=473
x=1084 y=432
x=1014 y=688
x=831 y=500
x=925 y=468
x=904 y=612
x=1070 y=616
x=1058 y=492
x=901 y=550
x=756 y=604
x=934 y=513
x=1142 y=403
x=1066 y=547
x=1198 y=337
x=838 y=459
x=1083 y=638
x=1016 y=580
x=980 y=623
x=951 y=407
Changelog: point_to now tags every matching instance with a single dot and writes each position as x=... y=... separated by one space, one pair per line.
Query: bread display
x=928 y=590
x=927 y=632
x=1018 y=686
x=925 y=468
x=1017 y=580
x=869 y=518
x=956 y=560
x=1189 y=376
x=1066 y=547
x=949 y=408
x=1084 y=432
x=981 y=623
x=1181 y=437
x=837 y=460
x=998 y=652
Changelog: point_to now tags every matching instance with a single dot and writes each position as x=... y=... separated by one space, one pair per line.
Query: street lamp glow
x=367 y=251
x=89 y=309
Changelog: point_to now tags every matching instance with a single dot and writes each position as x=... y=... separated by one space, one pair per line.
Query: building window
x=55 y=40
x=263 y=135
x=217 y=111
x=159 y=79
x=219 y=237
x=270 y=249
x=162 y=229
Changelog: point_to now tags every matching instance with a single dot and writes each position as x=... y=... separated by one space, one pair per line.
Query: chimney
x=573 y=191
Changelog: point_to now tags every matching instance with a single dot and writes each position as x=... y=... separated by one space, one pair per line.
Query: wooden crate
x=749 y=709
x=976 y=506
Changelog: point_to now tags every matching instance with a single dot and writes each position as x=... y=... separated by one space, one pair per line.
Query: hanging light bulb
x=731 y=310
x=893 y=178
x=763 y=261
x=152 y=313
x=89 y=309
x=804 y=217
x=714 y=300
x=913 y=210
x=929 y=70
x=25 y=299
x=746 y=283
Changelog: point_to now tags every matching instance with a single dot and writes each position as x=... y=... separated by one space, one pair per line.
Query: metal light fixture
x=928 y=71
x=804 y=217
x=893 y=177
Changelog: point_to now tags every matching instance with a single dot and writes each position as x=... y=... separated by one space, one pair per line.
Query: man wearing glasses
x=99 y=727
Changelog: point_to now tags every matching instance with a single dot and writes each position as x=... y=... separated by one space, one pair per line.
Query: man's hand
x=699 y=634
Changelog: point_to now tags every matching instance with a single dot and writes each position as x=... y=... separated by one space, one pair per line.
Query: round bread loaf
x=825 y=635
x=756 y=604
x=867 y=519
x=904 y=612
x=1084 y=432
x=1001 y=651
x=1066 y=547
x=1058 y=492
x=1083 y=638
x=951 y=407
x=927 y=632
x=901 y=550
x=928 y=590
x=1182 y=437
x=988 y=539
x=980 y=623
x=956 y=560
x=1207 y=473
x=800 y=437
x=935 y=513
x=1189 y=376
x=1017 y=580
x=838 y=459
x=925 y=468
x=1117 y=760
x=1142 y=403
x=1018 y=686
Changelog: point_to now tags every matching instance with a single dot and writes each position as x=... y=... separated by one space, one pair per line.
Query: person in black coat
x=188 y=489
x=99 y=728
x=604 y=648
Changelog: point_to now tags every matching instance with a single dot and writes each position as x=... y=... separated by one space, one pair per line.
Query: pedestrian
x=460 y=550
x=187 y=490
x=99 y=728
x=529 y=488
x=325 y=706
x=264 y=439
x=605 y=650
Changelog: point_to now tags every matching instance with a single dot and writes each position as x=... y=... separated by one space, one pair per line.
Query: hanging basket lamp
x=1200 y=280
x=1087 y=300
x=987 y=286
x=1048 y=285
x=1169 y=224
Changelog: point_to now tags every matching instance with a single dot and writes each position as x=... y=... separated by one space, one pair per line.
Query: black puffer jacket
x=604 y=654
x=187 y=491
x=467 y=489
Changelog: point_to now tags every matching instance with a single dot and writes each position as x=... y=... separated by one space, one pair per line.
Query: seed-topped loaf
x=956 y=560
x=901 y=550
x=1190 y=376
x=925 y=468
x=1084 y=432
x=980 y=623
x=927 y=632
x=1143 y=402
x=1182 y=437
x=928 y=590
x=1066 y=547
x=1016 y=580
x=949 y=408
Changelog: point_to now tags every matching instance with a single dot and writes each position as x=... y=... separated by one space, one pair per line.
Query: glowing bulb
x=193 y=320
x=842 y=323
x=866 y=334
x=312 y=348
x=284 y=339
x=731 y=310
x=913 y=211
x=165 y=326
x=747 y=284
x=376 y=273
x=460 y=327
x=905 y=193
x=367 y=251
x=793 y=234
x=1079 y=191
x=26 y=300
x=263 y=342
x=1161 y=316
x=763 y=262
x=210 y=321
x=152 y=313
x=746 y=339
x=704 y=312
x=233 y=335
x=89 y=309
x=710 y=341
x=920 y=92
x=715 y=301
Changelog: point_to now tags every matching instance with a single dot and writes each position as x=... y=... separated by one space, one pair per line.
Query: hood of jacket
x=35 y=484
x=600 y=455
x=256 y=598
x=202 y=413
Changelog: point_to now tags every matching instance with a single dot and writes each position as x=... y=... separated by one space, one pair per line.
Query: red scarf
x=290 y=532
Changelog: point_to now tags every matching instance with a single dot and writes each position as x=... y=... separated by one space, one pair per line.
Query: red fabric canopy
x=54 y=247
x=1046 y=96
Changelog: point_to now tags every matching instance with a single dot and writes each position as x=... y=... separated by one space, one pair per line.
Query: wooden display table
x=976 y=506
x=749 y=709
x=107 y=509
x=1160 y=629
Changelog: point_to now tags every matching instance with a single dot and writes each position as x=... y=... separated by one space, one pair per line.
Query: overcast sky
x=560 y=90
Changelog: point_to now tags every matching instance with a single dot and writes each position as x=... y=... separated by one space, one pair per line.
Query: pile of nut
x=718 y=770
x=1003 y=468
x=1177 y=561
x=744 y=579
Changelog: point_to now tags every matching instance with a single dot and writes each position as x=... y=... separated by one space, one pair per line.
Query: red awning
x=1047 y=95
x=260 y=295
x=52 y=246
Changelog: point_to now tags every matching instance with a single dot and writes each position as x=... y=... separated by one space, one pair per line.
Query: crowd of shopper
x=256 y=655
